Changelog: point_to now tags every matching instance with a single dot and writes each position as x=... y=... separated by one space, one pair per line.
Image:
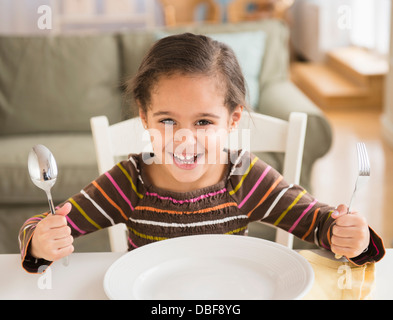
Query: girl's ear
x=236 y=116
x=143 y=117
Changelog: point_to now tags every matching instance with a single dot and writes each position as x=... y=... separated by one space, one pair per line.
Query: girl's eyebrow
x=167 y=113
x=161 y=113
x=211 y=115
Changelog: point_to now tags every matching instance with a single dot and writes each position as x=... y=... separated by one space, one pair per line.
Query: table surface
x=83 y=277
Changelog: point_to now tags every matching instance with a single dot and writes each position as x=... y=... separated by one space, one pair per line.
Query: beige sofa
x=51 y=86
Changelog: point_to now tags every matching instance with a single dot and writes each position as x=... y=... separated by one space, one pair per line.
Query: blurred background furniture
x=180 y=12
x=50 y=87
x=243 y=10
x=76 y=14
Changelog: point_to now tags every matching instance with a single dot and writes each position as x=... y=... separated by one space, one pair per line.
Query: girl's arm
x=263 y=195
x=106 y=201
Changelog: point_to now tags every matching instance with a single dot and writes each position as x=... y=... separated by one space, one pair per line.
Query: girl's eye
x=203 y=122
x=168 y=122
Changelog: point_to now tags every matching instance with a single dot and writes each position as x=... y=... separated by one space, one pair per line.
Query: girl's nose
x=185 y=135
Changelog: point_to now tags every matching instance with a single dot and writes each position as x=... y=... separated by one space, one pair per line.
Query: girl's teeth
x=181 y=157
x=187 y=158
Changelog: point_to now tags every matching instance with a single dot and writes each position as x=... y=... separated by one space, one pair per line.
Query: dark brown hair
x=189 y=54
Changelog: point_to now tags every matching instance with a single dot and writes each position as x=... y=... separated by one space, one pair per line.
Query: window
x=370 y=27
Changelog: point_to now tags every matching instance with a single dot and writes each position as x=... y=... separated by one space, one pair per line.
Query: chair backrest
x=180 y=12
x=239 y=10
x=119 y=140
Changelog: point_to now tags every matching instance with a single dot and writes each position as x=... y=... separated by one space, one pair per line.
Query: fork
x=363 y=174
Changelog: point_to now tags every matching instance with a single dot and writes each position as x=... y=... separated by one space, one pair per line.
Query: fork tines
x=363 y=160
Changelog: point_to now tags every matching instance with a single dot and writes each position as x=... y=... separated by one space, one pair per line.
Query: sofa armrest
x=279 y=99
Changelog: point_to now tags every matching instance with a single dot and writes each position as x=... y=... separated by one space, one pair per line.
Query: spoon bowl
x=43 y=170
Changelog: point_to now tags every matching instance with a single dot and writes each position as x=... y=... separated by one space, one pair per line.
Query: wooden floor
x=335 y=174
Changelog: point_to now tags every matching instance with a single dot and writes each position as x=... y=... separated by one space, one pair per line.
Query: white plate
x=209 y=267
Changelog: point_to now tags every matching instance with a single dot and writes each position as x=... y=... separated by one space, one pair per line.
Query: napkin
x=338 y=280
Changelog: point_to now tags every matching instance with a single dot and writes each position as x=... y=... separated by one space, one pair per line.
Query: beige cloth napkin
x=337 y=280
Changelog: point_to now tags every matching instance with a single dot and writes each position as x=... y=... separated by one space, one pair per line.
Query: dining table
x=83 y=277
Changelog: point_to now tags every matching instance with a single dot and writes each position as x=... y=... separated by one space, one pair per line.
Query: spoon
x=43 y=172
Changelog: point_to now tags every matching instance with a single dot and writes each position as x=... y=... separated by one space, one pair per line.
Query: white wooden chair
x=267 y=134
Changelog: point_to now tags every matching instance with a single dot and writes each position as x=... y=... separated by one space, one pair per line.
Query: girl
x=190 y=93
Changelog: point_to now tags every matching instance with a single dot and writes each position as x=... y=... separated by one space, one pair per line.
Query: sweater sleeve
x=263 y=195
x=104 y=202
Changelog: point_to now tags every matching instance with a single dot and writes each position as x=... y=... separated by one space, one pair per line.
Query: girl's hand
x=52 y=238
x=351 y=235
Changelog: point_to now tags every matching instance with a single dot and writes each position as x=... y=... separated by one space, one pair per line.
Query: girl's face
x=189 y=124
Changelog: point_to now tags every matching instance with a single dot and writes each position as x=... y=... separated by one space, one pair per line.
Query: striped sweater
x=250 y=191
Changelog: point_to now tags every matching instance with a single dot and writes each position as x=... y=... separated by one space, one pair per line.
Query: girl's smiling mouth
x=186 y=161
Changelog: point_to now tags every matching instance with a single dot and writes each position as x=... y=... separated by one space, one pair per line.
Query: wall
x=387 y=117
x=20 y=16
x=321 y=25
x=317 y=27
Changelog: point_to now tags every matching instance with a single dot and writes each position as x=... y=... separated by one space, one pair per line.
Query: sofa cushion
x=133 y=47
x=76 y=161
x=55 y=84
x=249 y=48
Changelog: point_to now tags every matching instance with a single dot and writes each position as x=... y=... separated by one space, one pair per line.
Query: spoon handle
x=50 y=201
x=51 y=207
